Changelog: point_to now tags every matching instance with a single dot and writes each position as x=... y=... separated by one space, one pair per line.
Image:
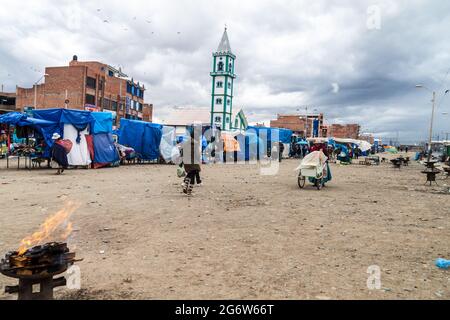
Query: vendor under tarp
x=143 y=137
x=27 y=127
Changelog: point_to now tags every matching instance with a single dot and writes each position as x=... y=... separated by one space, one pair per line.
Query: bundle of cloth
x=126 y=153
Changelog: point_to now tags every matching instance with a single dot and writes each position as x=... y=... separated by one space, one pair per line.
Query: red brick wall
x=61 y=79
x=350 y=131
x=294 y=123
x=147 y=111
x=72 y=78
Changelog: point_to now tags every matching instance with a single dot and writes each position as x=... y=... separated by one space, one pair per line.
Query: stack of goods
x=23 y=150
x=126 y=153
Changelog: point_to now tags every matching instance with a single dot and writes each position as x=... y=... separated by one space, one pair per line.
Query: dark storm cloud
x=290 y=53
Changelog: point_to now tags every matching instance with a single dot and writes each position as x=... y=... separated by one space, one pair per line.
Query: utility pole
x=430 y=139
x=431 y=126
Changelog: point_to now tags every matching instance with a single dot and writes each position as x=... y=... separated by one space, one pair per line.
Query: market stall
x=27 y=139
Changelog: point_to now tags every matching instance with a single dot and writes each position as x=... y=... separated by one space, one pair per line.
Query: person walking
x=192 y=158
x=60 y=149
x=281 y=148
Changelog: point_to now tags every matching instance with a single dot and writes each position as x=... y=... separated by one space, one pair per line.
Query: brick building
x=7 y=102
x=367 y=137
x=349 y=131
x=88 y=85
x=297 y=124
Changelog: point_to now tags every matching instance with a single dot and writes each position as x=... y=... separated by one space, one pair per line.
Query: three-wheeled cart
x=314 y=167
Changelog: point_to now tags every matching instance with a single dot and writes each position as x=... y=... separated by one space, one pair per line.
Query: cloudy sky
x=356 y=61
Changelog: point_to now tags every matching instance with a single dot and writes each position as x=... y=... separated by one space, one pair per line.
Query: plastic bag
x=180 y=172
x=443 y=264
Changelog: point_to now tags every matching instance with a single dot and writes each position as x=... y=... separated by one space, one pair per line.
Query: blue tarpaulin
x=143 y=137
x=284 y=135
x=104 y=149
x=78 y=118
x=43 y=127
x=253 y=149
x=103 y=122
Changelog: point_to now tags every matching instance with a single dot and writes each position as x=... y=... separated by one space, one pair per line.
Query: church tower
x=222 y=85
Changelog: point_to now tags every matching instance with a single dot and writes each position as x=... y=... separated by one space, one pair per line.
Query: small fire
x=50 y=230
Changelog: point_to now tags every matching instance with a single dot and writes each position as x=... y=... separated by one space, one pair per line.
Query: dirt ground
x=241 y=235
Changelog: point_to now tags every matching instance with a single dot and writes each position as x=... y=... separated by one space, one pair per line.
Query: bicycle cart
x=314 y=167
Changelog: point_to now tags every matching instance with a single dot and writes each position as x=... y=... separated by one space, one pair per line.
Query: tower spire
x=224 y=45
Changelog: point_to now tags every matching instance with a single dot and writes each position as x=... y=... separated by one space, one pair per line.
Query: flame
x=50 y=229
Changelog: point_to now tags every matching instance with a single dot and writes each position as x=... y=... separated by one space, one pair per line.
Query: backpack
x=66 y=144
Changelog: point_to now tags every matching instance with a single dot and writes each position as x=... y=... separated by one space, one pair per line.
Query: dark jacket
x=59 y=155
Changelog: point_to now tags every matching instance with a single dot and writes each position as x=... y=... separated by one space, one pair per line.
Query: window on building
x=128 y=87
x=106 y=104
x=220 y=66
x=218 y=119
x=110 y=73
x=90 y=99
x=91 y=83
x=236 y=123
x=229 y=84
x=230 y=67
x=219 y=101
x=219 y=84
x=114 y=105
x=227 y=120
x=228 y=102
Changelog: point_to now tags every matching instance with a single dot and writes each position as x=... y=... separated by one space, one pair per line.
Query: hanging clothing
x=79 y=155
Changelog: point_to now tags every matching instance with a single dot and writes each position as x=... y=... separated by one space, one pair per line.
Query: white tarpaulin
x=79 y=155
x=315 y=159
x=286 y=151
x=167 y=146
x=362 y=145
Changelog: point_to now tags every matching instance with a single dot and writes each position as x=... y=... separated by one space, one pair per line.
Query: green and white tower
x=222 y=85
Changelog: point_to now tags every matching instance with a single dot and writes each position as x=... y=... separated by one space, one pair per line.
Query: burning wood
x=37 y=263
x=50 y=230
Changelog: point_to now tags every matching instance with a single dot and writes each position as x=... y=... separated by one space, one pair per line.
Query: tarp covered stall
x=230 y=144
x=80 y=120
x=43 y=128
x=362 y=145
x=105 y=152
x=104 y=149
x=143 y=137
x=167 y=147
x=74 y=125
x=273 y=134
x=250 y=147
x=103 y=122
